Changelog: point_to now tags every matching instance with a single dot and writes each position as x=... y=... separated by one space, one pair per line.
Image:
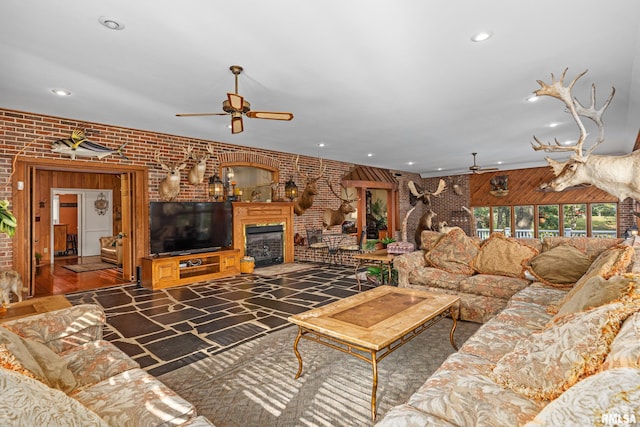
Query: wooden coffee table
x=374 y=323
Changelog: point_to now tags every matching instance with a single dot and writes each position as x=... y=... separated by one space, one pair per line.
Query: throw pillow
x=503 y=256
x=598 y=291
x=550 y=361
x=428 y=239
x=562 y=265
x=453 y=253
x=41 y=362
x=612 y=261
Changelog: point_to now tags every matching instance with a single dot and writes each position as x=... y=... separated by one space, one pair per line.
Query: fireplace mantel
x=248 y=213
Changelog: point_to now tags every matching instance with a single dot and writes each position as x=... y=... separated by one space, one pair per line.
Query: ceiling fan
x=475 y=168
x=236 y=106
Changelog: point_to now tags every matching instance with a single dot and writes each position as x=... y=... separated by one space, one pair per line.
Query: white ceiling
x=398 y=78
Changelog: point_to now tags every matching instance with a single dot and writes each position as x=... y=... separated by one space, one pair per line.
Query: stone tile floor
x=166 y=329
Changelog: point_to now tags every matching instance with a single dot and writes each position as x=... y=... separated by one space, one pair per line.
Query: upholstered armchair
x=111 y=249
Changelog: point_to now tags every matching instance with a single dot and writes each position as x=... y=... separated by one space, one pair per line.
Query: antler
x=557 y=90
x=342 y=199
x=307 y=177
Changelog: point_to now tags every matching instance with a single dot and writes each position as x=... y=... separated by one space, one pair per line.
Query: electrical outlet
x=45 y=250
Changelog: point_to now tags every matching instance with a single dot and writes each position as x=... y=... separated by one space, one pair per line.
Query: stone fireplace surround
x=274 y=213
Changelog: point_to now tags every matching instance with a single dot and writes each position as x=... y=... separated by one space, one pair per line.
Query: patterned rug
x=82 y=268
x=278 y=269
x=253 y=384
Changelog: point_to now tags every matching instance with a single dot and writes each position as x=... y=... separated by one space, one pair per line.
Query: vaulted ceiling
x=393 y=84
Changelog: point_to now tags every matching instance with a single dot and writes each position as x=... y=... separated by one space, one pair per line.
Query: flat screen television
x=178 y=228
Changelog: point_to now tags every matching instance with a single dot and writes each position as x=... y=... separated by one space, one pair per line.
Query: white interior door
x=95 y=223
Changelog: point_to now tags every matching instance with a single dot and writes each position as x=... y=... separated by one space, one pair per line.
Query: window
x=572 y=219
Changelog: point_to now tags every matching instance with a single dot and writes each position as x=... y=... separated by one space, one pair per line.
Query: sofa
x=485 y=275
x=111 y=249
x=55 y=369
x=554 y=356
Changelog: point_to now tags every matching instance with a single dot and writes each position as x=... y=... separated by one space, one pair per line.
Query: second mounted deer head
x=617 y=175
x=333 y=217
x=305 y=199
x=196 y=174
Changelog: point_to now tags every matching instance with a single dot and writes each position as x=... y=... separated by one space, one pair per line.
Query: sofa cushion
x=453 y=253
x=562 y=265
x=126 y=399
x=612 y=261
x=35 y=360
x=550 y=361
x=429 y=238
x=93 y=362
x=28 y=402
x=503 y=256
x=614 y=393
x=625 y=348
x=492 y=286
x=598 y=291
x=590 y=246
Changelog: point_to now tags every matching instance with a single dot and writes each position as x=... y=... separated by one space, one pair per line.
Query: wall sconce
x=216 y=187
x=291 y=189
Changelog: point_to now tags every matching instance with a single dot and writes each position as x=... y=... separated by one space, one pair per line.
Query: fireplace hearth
x=265 y=243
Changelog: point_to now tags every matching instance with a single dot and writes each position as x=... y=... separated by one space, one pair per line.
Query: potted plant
x=379 y=275
x=8 y=222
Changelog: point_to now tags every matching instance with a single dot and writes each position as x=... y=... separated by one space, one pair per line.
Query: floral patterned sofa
x=485 y=275
x=55 y=369
x=552 y=357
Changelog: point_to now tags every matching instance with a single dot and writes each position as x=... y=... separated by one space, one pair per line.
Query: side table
x=376 y=258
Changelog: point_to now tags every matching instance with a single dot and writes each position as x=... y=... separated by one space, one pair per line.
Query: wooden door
x=127 y=236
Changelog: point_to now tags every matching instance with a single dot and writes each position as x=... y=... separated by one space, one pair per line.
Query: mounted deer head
x=617 y=175
x=196 y=174
x=333 y=217
x=416 y=193
x=169 y=187
x=305 y=200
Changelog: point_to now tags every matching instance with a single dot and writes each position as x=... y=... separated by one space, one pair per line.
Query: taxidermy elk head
x=169 y=187
x=416 y=193
x=333 y=217
x=305 y=199
x=617 y=175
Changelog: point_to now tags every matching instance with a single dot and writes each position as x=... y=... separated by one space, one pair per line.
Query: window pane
x=575 y=220
x=481 y=216
x=502 y=220
x=548 y=220
x=524 y=220
x=604 y=220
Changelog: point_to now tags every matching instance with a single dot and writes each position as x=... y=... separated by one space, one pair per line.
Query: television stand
x=165 y=272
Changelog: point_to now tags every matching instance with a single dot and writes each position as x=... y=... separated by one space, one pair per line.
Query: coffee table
x=372 y=324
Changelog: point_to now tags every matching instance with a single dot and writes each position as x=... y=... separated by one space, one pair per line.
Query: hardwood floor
x=55 y=279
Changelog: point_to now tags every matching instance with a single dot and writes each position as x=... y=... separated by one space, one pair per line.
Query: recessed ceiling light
x=439 y=169
x=61 y=92
x=321 y=144
x=369 y=154
x=554 y=124
x=500 y=162
x=533 y=98
x=481 y=36
x=410 y=163
x=111 y=23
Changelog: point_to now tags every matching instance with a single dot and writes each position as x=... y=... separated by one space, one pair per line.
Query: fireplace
x=265 y=243
x=248 y=214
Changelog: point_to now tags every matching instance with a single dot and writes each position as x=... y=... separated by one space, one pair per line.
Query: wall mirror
x=250 y=182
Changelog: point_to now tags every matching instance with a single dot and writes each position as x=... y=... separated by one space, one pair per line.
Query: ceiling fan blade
x=236 y=124
x=269 y=115
x=235 y=100
x=201 y=114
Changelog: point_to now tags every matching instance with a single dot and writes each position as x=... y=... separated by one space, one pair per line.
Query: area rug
x=278 y=269
x=253 y=384
x=92 y=266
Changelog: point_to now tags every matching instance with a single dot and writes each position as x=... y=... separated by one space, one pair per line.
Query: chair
x=111 y=250
x=353 y=248
x=314 y=240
